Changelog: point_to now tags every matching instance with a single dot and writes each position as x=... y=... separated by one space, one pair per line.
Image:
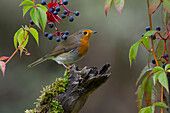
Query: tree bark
x=82 y=83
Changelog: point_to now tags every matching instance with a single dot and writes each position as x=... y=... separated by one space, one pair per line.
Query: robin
x=69 y=51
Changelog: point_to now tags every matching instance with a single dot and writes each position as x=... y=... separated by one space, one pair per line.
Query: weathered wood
x=82 y=83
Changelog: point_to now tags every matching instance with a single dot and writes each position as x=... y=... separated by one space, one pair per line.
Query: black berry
x=50 y=36
x=64 y=37
x=45 y=34
x=76 y=13
x=142 y=35
x=66 y=32
x=153 y=37
x=31 y=22
x=51 y=25
x=57 y=9
x=63 y=16
x=153 y=61
x=166 y=56
x=148 y=28
x=65 y=2
x=51 y=10
x=43 y=2
x=158 y=28
x=164 y=65
x=55 y=12
x=71 y=19
x=65 y=12
x=58 y=39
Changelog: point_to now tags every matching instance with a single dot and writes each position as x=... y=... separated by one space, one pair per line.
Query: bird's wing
x=65 y=46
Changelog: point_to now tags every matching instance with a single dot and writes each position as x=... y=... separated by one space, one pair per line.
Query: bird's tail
x=37 y=62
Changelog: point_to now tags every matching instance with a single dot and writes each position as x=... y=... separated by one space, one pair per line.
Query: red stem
x=17 y=48
x=145 y=46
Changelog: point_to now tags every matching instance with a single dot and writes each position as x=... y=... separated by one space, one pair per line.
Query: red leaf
x=107 y=6
x=3 y=58
x=153 y=6
x=50 y=5
x=119 y=4
x=2 y=67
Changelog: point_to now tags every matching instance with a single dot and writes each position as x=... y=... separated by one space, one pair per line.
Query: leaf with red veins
x=154 y=6
x=107 y=6
x=119 y=4
x=50 y=5
x=2 y=67
x=3 y=58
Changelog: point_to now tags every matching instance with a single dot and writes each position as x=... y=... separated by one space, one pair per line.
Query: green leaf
x=155 y=77
x=2 y=67
x=145 y=41
x=148 y=90
x=149 y=33
x=163 y=80
x=26 y=8
x=34 y=16
x=159 y=51
x=140 y=93
x=145 y=71
x=26 y=2
x=133 y=52
x=167 y=67
x=160 y=104
x=165 y=17
x=156 y=69
x=166 y=5
x=35 y=35
x=42 y=7
x=42 y=17
x=119 y=4
x=107 y=5
x=22 y=37
x=146 y=110
x=153 y=6
x=16 y=37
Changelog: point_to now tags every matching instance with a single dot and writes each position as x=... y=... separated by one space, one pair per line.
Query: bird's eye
x=85 y=33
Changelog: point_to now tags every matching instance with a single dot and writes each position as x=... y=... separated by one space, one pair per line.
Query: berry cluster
x=157 y=35
x=53 y=18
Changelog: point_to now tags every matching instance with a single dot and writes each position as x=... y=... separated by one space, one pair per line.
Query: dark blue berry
x=50 y=36
x=153 y=61
x=164 y=65
x=55 y=12
x=76 y=13
x=65 y=2
x=57 y=9
x=64 y=37
x=153 y=37
x=158 y=28
x=51 y=10
x=45 y=34
x=58 y=39
x=65 y=12
x=71 y=19
x=166 y=55
x=43 y=2
x=31 y=22
x=148 y=28
x=63 y=16
x=142 y=35
x=66 y=32
x=51 y=25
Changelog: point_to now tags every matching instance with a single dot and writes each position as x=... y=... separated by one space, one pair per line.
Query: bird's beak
x=94 y=32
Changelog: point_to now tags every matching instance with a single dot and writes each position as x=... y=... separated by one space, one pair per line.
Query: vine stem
x=152 y=50
x=17 y=48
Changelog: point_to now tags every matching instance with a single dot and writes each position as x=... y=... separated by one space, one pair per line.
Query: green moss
x=47 y=102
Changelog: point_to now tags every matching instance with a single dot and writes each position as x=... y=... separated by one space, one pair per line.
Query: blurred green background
x=116 y=33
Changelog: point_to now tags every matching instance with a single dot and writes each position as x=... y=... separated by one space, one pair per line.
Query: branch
x=81 y=84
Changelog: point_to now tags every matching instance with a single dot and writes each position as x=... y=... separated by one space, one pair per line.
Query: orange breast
x=83 y=47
